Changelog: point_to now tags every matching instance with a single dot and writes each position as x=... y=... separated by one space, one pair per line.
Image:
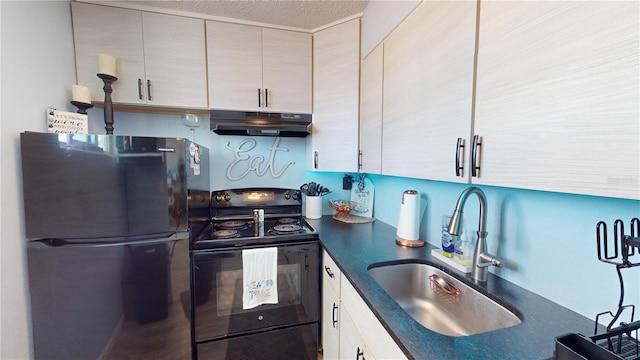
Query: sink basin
x=459 y=311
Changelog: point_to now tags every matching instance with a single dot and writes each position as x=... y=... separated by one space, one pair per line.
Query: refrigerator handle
x=104 y=242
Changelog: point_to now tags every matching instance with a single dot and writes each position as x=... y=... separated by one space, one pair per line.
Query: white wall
x=38 y=69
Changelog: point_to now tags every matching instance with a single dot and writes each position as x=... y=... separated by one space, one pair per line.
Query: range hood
x=225 y=122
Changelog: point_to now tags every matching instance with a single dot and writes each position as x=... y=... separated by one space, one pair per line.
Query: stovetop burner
x=232 y=222
x=269 y=231
x=286 y=228
x=287 y=220
x=224 y=234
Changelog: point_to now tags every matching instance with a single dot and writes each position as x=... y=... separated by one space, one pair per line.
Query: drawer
x=331 y=274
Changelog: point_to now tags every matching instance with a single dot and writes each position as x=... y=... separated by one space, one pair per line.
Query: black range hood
x=225 y=122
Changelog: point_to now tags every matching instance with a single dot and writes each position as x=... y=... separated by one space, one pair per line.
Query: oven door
x=217 y=293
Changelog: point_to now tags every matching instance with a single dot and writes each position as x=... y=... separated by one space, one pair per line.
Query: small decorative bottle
x=465 y=256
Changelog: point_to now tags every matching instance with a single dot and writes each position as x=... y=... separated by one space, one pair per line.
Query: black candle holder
x=82 y=107
x=108 y=105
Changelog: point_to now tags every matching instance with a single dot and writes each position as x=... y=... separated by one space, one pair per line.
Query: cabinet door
x=331 y=276
x=336 y=72
x=371 y=112
x=234 y=58
x=377 y=340
x=286 y=71
x=330 y=322
x=117 y=32
x=557 y=101
x=175 y=61
x=428 y=88
x=352 y=345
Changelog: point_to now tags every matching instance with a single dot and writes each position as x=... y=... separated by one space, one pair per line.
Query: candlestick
x=108 y=105
x=82 y=106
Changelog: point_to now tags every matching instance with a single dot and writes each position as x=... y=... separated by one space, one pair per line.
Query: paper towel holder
x=402 y=226
x=409 y=243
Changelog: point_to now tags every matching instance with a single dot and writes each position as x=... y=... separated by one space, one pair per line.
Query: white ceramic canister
x=409 y=219
x=313 y=207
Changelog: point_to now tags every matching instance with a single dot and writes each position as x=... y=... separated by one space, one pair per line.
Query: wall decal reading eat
x=245 y=163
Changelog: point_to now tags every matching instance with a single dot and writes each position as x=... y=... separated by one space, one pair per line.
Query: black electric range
x=245 y=220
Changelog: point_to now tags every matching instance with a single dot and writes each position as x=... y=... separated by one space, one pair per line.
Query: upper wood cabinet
x=160 y=59
x=428 y=91
x=557 y=103
x=371 y=112
x=333 y=145
x=258 y=69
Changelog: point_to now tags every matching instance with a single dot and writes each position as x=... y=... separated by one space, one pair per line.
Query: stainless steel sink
x=457 y=311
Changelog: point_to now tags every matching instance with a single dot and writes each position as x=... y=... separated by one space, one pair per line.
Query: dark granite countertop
x=355 y=247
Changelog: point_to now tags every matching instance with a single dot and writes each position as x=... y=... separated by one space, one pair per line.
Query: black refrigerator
x=107 y=221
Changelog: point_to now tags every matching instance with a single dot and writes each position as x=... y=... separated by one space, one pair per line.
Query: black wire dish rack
x=620 y=339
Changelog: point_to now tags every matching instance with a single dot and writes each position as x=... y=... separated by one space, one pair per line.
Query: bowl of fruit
x=343 y=207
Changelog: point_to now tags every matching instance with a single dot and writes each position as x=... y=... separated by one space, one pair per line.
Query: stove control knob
x=296 y=195
x=287 y=195
x=218 y=198
x=227 y=197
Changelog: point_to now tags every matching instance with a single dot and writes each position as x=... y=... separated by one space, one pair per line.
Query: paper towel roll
x=409 y=219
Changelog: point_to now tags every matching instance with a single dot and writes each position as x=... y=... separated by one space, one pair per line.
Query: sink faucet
x=481 y=259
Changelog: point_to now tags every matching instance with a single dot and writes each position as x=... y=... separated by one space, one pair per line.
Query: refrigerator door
x=114 y=301
x=79 y=186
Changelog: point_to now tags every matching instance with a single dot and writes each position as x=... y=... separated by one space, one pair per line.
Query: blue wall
x=285 y=170
x=546 y=240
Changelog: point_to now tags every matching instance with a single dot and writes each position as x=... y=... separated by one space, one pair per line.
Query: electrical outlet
x=347 y=182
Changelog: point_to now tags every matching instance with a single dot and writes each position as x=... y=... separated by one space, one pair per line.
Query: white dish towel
x=259 y=277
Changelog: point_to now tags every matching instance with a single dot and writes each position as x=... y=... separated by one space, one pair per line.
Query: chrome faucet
x=481 y=259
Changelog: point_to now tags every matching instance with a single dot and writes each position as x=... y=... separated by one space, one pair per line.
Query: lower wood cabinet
x=350 y=330
x=330 y=307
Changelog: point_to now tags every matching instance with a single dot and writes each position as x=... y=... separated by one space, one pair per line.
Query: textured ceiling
x=302 y=14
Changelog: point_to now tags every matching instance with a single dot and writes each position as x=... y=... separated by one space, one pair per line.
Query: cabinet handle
x=149 y=90
x=333 y=315
x=259 y=98
x=140 y=89
x=360 y=353
x=315 y=159
x=328 y=270
x=475 y=156
x=460 y=156
x=266 y=97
